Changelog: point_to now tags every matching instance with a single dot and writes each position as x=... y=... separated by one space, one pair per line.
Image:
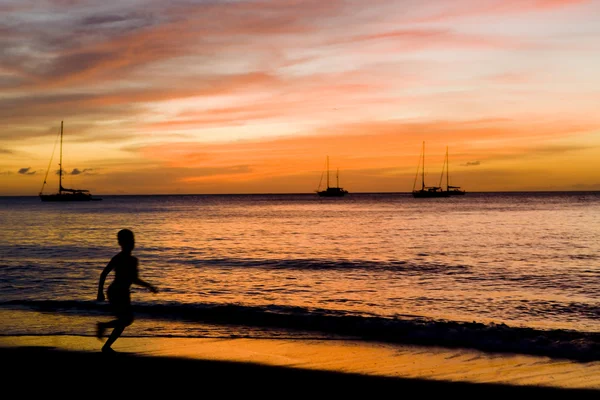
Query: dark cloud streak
x=77 y=171
x=85 y=171
x=26 y=171
x=106 y=19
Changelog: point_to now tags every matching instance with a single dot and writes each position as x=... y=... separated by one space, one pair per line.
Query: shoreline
x=355 y=362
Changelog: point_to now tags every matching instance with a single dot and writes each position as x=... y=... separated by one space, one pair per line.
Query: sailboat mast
x=327 y=172
x=337 y=177
x=447 y=170
x=60 y=163
x=423 y=169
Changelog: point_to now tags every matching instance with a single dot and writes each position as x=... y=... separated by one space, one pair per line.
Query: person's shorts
x=120 y=303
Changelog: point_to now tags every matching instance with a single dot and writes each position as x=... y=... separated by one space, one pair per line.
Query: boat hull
x=331 y=195
x=425 y=194
x=333 y=192
x=67 y=197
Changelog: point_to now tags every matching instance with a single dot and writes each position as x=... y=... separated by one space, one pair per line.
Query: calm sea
x=476 y=270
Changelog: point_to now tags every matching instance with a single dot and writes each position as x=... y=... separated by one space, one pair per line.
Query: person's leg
x=101 y=327
x=120 y=308
x=117 y=331
x=124 y=314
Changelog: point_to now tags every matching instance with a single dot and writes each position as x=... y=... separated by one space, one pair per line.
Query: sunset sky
x=246 y=96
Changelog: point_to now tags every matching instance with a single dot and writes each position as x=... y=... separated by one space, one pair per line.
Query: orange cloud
x=393 y=145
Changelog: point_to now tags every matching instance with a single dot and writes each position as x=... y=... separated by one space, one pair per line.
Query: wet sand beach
x=275 y=368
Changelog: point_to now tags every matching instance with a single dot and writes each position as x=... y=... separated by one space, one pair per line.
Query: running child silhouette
x=126 y=274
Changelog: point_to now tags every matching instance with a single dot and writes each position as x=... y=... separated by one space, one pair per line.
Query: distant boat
x=426 y=191
x=64 y=194
x=331 y=191
x=451 y=190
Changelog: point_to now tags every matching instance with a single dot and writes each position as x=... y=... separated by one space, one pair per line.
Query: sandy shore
x=262 y=365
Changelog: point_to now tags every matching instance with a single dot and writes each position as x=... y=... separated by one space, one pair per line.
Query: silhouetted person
x=126 y=274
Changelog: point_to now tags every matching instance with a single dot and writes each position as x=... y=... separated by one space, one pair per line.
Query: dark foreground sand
x=35 y=367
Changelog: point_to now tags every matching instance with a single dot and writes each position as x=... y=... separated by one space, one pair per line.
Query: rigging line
x=417 y=174
x=443 y=169
x=50 y=162
x=322 y=173
x=321 y=180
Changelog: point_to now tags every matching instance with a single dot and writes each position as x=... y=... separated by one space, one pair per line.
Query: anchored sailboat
x=331 y=191
x=451 y=190
x=64 y=194
x=426 y=191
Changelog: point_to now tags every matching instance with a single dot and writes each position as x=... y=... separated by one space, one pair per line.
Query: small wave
x=576 y=345
x=397 y=266
x=545 y=308
x=583 y=256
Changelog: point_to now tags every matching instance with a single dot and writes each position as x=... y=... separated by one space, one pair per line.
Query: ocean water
x=497 y=271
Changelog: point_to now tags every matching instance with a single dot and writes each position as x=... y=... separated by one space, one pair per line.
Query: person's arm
x=145 y=284
x=109 y=267
x=142 y=282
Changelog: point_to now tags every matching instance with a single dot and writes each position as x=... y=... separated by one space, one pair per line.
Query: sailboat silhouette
x=64 y=194
x=426 y=191
x=451 y=190
x=336 y=191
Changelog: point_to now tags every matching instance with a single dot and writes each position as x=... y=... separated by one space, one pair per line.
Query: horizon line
x=311 y=193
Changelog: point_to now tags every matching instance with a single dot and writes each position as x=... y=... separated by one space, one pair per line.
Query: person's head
x=126 y=239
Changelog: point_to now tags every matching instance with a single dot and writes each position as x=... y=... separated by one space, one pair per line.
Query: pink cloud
x=512 y=78
x=418 y=39
x=202 y=29
x=474 y=8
